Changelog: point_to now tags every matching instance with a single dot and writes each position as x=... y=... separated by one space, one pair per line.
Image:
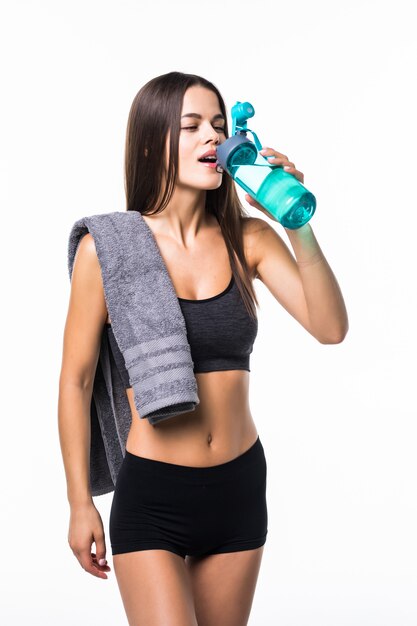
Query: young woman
x=188 y=521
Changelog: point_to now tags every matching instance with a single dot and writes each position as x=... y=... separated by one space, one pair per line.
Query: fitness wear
x=190 y=510
x=220 y=332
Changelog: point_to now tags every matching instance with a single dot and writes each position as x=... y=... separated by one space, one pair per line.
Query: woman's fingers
x=85 y=528
x=271 y=152
x=85 y=559
x=103 y=567
x=277 y=158
x=99 y=540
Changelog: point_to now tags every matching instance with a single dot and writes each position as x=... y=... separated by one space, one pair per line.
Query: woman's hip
x=194 y=505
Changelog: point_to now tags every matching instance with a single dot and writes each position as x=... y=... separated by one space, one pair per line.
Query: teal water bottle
x=279 y=192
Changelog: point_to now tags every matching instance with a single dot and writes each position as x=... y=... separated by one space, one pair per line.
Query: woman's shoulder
x=100 y=226
x=113 y=236
x=85 y=235
x=251 y=226
x=86 y=254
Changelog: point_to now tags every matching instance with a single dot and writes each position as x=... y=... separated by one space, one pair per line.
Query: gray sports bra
x=220 y=332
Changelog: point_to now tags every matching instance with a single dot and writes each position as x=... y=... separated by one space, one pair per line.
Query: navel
x=209 y=438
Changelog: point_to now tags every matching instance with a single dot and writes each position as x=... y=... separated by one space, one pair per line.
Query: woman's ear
x=146 y=152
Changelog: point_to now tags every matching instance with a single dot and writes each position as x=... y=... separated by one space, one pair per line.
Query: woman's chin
x=203 y=185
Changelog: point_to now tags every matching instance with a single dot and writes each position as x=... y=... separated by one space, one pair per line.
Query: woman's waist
x=217 y=430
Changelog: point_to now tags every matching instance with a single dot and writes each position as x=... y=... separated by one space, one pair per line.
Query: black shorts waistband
x=164 y=469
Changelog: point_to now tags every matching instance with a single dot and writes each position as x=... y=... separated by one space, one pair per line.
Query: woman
x=188 y=521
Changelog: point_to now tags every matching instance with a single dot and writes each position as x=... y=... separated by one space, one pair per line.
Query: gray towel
x=150 y=330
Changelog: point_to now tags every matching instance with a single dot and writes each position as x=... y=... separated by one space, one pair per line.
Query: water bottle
x=277 y=191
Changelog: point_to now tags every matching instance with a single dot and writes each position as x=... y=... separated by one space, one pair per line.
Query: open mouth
x=210 y=161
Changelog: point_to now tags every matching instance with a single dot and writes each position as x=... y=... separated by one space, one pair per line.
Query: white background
x=333 y=88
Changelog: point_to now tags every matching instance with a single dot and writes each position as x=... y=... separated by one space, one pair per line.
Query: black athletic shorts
x=190 y=510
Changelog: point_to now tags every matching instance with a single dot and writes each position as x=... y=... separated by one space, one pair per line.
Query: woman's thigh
x=224 y=586
x=155 y=588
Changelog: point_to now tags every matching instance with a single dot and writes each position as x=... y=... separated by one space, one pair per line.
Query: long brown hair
x=156 y=109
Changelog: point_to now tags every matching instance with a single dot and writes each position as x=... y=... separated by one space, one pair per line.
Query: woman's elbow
x=337 y=337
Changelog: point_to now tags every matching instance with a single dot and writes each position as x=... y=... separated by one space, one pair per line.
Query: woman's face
x=200 y=132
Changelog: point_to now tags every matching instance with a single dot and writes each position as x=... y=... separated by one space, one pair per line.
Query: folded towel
x=150 y=331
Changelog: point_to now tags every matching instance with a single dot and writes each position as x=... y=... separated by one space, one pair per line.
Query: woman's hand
x=85 y=528
x=276 y=158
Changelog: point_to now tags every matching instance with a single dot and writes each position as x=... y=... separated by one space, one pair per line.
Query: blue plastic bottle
x=279 y=192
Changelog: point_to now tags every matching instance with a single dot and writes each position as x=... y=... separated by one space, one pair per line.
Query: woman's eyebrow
x=198 y=116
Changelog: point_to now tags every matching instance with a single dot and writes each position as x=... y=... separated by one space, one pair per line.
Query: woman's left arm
x=326 y=307
x=306 y=286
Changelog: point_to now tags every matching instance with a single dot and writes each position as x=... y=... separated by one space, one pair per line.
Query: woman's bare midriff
x=219 y=429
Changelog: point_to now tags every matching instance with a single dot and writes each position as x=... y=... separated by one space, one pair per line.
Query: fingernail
x=263 y=151
x=287 y=167
x=102 y=562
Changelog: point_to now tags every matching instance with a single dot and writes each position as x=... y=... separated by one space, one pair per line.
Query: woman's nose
x=213 y=134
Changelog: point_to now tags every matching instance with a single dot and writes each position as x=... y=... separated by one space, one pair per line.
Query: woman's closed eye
x=220 y=128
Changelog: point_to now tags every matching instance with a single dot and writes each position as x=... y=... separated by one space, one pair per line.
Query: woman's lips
x=212 y=165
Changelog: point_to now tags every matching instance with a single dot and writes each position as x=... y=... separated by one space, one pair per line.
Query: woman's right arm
x=86 y=316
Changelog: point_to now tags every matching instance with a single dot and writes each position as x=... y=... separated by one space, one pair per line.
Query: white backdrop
x=333 y=85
